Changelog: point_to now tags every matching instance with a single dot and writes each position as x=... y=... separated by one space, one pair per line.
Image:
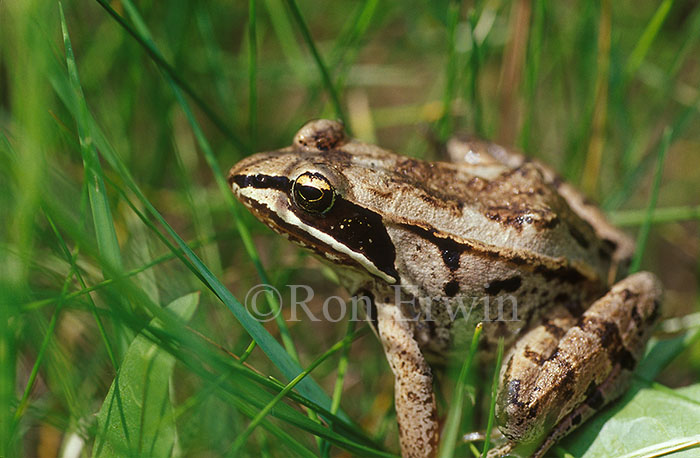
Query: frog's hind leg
x=416 y=410
x=543 y=396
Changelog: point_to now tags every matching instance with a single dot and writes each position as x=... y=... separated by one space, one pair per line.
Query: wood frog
x=426 y=241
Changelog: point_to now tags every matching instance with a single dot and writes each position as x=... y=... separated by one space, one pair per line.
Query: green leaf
x=648 y=421
x=136 y=418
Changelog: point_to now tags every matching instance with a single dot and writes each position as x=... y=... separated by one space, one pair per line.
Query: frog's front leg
x=416 y=410
x=545 y=394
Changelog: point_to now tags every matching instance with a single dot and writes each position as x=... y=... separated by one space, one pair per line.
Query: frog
x=489 y=226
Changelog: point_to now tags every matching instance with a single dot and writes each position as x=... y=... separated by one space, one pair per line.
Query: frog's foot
x=416 y=410
x=555 y=378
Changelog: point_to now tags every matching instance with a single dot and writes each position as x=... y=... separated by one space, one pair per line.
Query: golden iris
x=313 y=192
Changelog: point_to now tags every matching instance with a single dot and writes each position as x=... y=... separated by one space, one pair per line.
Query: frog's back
x=512 y=210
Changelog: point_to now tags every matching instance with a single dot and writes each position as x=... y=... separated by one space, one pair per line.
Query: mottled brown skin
x=491 y=225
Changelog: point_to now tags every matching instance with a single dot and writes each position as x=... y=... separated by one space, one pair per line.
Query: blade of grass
x=243 y=437
x=169 y=70
x=645 y=41
x=174 y=338
x=347 y=46
x=665 y=215
x=512 y=70
x=596 y=140
x=646 y=226
x=444 y=125
x=474 y=72
x=338 y=386
x=24 y=400
x=101 y=214
x=143 y=31
x=252 y=73
x=215 y=58
x=345 y=51
x=450 y=431
x=267 y=343
x=325 y=76
x=532 y=69
x=494 y=392
x=285 y=37
x=629 y=181
x=93 y=308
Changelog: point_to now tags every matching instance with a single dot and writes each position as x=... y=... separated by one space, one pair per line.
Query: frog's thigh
x=416 y=411
x=590 y=366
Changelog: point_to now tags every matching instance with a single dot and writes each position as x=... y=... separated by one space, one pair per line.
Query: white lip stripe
x=265 y=198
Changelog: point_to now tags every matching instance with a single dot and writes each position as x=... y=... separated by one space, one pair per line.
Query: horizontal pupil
x=310 y=193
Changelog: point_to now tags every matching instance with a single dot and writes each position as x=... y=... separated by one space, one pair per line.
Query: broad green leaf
x=648 y=421
x=136 y=418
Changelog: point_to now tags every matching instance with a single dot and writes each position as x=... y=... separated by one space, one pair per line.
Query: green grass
x=118 y=121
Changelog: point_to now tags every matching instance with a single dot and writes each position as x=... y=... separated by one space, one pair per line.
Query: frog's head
x=303 y=193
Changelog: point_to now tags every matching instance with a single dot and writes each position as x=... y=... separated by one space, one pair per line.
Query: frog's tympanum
x=429 y=240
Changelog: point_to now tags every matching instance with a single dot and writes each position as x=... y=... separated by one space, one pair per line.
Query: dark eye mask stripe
x=260 y=181
x=356 y=227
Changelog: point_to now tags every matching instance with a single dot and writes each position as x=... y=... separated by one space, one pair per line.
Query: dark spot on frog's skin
x=533 y=356
x=552 y=222
x=610 y=340
x=574 y=307
x=533 y=290
x=451 y=288
x=450 y=250
x=654 y=315
x=609 y=245
x=606 y=331
x=508 y=285
x=514 y=392
x=557 y=181
x=595 y=399
x=576 y=419
x=624 y=358
x=566 y=274
x=636 y=317
x=579 y=237
x=493 y=216
x=532 y=411
x=604 y=255
x=554 y=330
x=566 y=383
x=451 y=259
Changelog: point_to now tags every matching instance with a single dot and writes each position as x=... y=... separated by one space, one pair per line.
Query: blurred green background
x=117 y=127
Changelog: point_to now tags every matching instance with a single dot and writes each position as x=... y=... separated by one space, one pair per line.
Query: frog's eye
x=313 y=192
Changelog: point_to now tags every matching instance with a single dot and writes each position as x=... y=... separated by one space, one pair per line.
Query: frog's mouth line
x=349 y=233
